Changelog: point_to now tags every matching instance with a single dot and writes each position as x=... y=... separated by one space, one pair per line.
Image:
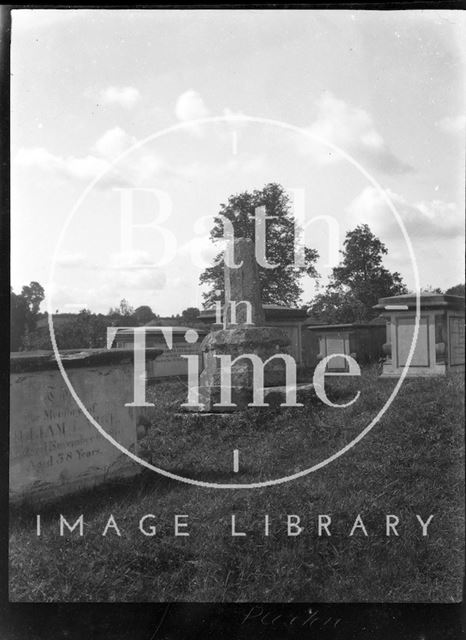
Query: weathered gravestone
x=54 y=448
x=243 y=334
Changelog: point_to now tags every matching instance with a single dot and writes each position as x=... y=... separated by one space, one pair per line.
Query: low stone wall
x=54 y=448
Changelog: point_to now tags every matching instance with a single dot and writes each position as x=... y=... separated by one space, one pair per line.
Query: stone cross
x=242 y=284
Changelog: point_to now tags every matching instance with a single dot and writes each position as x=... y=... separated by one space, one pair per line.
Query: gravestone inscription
x=54 y=449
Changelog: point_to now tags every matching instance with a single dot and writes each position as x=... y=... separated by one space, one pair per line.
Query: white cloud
x=453 y=124
x=353 y=130
x=85 y=168
x=113 y=142
x=137 y=168
x=131 y=171
x=126 y=97
x=190 y=106
x=422 y=219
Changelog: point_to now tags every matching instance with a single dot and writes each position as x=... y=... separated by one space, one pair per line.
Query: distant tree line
x=83 y=330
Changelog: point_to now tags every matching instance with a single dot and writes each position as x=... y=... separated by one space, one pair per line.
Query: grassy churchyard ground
x=410 y=463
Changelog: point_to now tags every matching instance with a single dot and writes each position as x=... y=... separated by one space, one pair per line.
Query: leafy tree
x=172 y=321
x=33 y=295
x=18 y=315
x=358 y=281
x=24 y=313
x=457 y=290
x=190 y=315
x=337 y=306
x=122 y=316
x=430 y=289
x=84 y=331
x=125 y=308
x=280 y=285
x=143 y=314
x=88 y=331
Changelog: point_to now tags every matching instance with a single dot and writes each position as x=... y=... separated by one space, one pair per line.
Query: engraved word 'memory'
x=226 y=363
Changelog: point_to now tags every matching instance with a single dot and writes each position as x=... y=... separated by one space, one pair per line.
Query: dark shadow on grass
x=91 y=501
x=131 y=490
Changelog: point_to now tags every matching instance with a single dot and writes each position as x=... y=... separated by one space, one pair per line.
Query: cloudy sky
x=87 y=86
